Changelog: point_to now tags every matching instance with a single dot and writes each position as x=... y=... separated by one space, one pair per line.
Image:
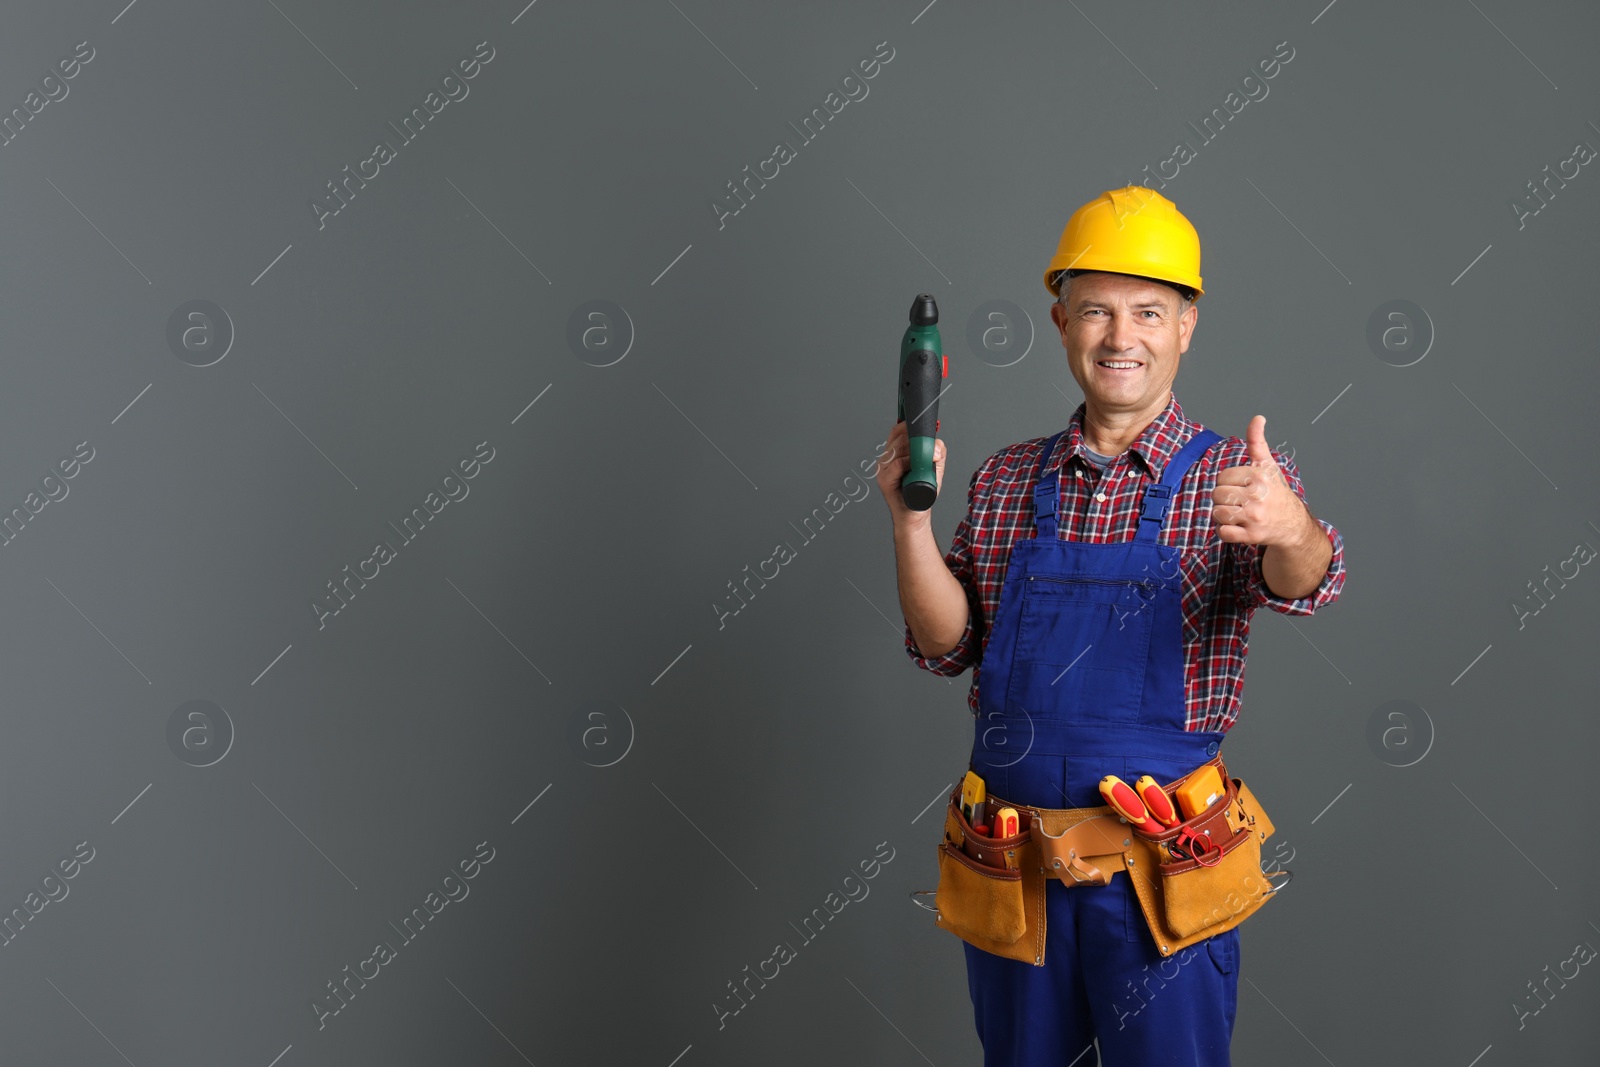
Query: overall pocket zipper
x=1145 y=584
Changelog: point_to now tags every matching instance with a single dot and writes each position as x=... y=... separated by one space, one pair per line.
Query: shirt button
x=1211 y=749
x=1100 y=497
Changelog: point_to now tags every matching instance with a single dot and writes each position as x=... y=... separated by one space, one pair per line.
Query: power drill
x=922 y=365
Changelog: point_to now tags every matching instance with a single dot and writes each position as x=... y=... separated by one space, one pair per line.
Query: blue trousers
x=1103 y=980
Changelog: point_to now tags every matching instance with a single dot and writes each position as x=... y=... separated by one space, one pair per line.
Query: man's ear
x=1186 y=328
x=1058 y=315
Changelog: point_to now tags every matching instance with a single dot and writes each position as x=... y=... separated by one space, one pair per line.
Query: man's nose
x=1120 y=336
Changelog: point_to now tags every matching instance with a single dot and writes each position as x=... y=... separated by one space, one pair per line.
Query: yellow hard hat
x=1132 y=230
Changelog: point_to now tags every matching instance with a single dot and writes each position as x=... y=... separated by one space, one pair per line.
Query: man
x=1106 y=623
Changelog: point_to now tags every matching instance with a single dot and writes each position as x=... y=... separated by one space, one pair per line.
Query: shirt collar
x=1156 y=444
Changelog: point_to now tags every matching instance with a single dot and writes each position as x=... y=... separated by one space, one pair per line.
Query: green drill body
x=922 y=367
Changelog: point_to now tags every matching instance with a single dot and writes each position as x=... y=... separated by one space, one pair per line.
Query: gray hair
x=1063 y=283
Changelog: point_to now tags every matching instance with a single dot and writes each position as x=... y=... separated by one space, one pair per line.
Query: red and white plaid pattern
x=1222 y=581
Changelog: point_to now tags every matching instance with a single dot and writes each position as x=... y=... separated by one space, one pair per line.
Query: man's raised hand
x=1254 y=504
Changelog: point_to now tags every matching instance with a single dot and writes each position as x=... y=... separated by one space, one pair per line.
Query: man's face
x=1119 y=319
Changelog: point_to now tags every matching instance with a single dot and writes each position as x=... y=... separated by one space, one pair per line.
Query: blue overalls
x=1083 y=676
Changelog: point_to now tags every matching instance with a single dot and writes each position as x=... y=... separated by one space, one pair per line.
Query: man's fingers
x=894 y=463
x=1233 y=495
x=1230 y=526
x=896 y=441
x=1236 y=475
x=1228 y=515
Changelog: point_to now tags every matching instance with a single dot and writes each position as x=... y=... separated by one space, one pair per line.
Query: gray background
x=562 y=615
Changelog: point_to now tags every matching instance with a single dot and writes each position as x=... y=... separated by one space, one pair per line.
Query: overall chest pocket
x=1083 y=644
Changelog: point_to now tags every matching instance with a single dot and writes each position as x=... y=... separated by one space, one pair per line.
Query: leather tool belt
x=991 y=890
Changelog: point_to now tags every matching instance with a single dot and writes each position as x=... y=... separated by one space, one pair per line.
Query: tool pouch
x=991 y=890
x=1185 y=900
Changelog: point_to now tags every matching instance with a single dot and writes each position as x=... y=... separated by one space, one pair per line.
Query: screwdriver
x=1156 y=801
x=1126 y=803
x=1005 y=823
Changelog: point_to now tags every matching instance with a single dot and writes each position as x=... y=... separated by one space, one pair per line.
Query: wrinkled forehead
x=1134 y=290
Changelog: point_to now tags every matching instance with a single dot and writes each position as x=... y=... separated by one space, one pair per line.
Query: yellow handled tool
x=973 y=793
x=1126 y=803
x=1006 y=823
x=1156 y=801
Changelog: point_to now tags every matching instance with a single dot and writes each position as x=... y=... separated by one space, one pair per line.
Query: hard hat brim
x=1055 y=290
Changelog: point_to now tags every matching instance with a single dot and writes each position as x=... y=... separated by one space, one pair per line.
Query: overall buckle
x=1157 y=499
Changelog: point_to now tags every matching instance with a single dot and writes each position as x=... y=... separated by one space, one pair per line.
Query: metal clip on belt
x=1088 y=849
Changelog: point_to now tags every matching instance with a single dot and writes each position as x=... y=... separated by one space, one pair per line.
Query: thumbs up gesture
x=1255 y=504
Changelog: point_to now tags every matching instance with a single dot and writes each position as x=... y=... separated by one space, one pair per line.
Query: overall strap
x=1158 y=497
x=1046 y=496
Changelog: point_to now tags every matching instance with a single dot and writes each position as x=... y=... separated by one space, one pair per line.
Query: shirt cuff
x=1326 y=592
x=951 y=663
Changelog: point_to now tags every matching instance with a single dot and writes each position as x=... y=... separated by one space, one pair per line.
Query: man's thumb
x=1256 y=441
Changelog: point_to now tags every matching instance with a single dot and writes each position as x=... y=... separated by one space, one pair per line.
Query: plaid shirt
x=1222 y=582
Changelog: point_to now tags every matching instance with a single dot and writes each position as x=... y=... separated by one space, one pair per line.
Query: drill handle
x=920 y=373
x=919 y=392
